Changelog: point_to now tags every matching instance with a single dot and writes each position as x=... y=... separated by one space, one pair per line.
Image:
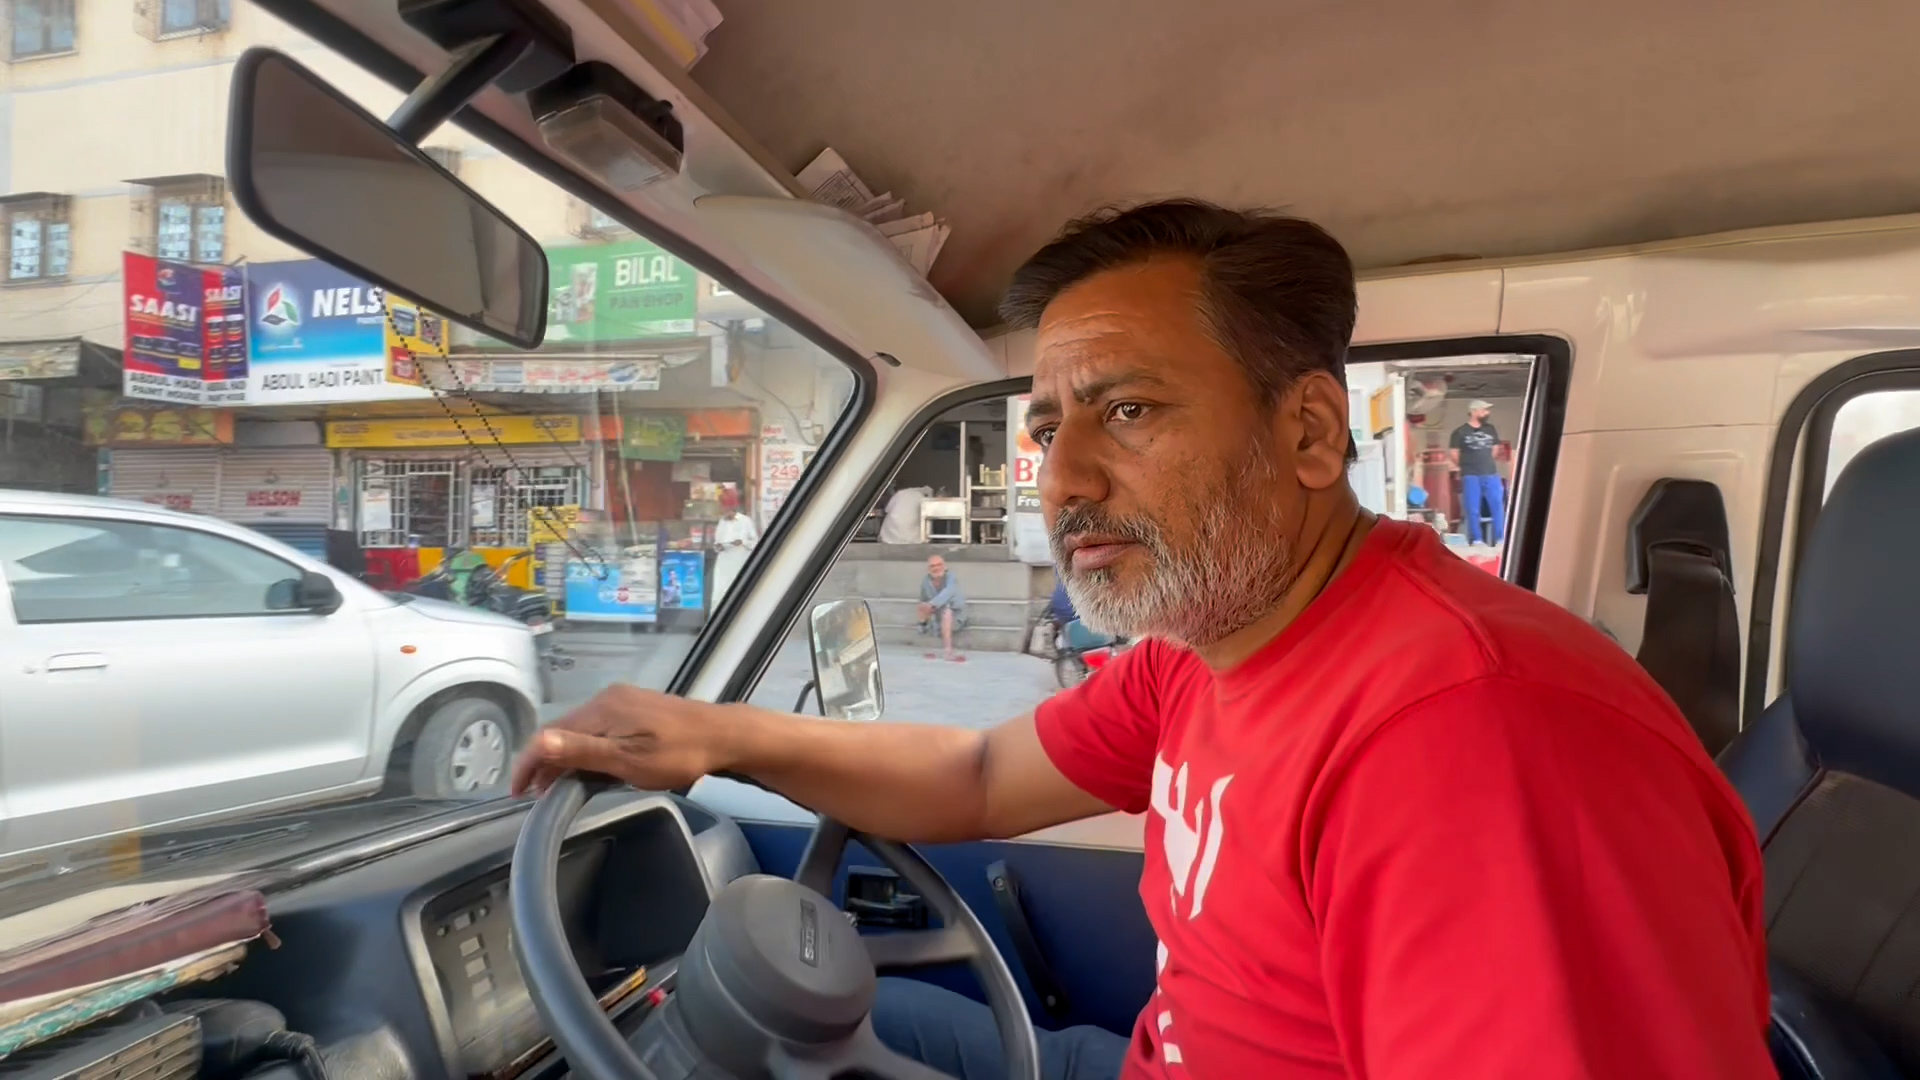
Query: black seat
x=1831 y=775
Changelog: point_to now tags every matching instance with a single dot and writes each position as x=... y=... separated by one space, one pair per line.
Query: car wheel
x=464 y=751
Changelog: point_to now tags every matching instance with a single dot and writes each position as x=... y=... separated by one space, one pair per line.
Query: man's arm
x=910 y=781
x=945 y=595
x=1520 y=881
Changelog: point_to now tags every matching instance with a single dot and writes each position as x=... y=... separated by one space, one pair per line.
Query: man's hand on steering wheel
x=653 y=741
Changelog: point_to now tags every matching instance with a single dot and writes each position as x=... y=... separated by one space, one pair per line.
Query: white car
x=159 y=669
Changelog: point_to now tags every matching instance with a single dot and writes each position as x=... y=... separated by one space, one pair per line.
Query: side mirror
x=311 y=591
x=846 y=660
x=314 y=169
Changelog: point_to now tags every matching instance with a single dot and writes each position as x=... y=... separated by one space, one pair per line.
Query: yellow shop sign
x=452 y=431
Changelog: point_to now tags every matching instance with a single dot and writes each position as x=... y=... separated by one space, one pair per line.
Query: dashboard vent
x=140 y=1044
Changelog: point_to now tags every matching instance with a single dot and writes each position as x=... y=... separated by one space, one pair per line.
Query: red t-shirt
x=1437 y=828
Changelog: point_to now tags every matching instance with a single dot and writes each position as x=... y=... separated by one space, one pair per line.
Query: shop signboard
x=574 y=376
x=551 y=524
x=185 y=332
x=621 y=292
x=40 y=360
x=443 y=431
x=1027 y=528
x=683 y=581
x=652 y=436
x=136 y=426
x=316 y=334
x=781 y=463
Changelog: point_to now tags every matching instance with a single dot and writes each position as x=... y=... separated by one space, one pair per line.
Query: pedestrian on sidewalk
x=1481 y=489
x=942 y=606
x=733 y=537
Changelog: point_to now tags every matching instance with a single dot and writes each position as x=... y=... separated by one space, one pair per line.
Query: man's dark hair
x=1277 y=292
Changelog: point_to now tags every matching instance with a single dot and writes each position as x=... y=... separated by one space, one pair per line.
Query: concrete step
x=873 y=579
x=1003 y=614
x=976 y=638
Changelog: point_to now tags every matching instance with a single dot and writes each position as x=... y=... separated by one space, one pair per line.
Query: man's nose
x=1072 y=470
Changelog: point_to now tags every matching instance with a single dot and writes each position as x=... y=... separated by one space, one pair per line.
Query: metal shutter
x=177 y=478
x=308 y=539
x=290 y=485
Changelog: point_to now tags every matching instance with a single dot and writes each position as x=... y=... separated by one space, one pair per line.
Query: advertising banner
x=1027 y=528
x=658 y=437
x=163 y=351
x=316 y=335
x=621 y=589
x=683 y=581
x=436 y=431
x=415 y=337
x=621 y=292
x=542 y=376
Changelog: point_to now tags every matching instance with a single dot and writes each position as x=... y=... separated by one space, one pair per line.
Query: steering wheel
x=776 y=982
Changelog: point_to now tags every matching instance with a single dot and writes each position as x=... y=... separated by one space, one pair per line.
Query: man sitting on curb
x=942 y=604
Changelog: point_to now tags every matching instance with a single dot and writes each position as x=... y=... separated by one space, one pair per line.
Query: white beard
x=1236 y=572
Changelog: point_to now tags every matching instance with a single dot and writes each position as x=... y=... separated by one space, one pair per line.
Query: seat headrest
x=1853 y=637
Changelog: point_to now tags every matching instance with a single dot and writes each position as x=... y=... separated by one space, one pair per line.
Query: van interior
x=1677 y=247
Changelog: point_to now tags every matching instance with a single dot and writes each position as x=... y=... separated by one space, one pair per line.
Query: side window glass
x=88 y=570
x=1439 y=442
x=1864 y=420
x=954 y=561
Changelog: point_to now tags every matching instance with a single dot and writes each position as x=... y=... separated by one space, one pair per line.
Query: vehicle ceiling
x=1412 y=128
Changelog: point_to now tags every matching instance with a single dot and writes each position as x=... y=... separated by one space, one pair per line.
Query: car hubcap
x=479 y=756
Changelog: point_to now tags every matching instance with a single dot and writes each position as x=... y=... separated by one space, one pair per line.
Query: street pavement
x=983 y=690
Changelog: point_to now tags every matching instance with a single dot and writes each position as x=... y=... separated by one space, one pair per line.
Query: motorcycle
x=1078 y=652
x=465 y=578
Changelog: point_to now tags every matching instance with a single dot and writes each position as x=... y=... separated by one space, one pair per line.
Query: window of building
x=41 y=27
x=179 y=17
x=183 y=218
x=39 y=238
x=75 y=570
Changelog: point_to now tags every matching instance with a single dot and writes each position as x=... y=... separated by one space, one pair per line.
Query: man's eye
x=1044 y=437
x=1127 y=411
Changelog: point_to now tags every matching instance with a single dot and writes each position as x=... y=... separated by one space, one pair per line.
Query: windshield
x=357 y=556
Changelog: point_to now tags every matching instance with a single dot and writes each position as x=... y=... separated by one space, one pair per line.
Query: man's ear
x=1317 y=404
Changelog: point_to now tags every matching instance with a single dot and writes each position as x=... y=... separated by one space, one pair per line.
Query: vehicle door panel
x=118 y=723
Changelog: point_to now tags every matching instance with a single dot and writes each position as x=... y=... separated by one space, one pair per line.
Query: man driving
x=1402 y=819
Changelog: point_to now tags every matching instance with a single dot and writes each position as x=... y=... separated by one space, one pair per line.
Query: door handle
x=77 y=661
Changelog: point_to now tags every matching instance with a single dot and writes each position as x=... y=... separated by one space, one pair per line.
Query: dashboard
x=402 y=967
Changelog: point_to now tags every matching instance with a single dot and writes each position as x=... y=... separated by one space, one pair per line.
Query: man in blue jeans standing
x=1481 y=490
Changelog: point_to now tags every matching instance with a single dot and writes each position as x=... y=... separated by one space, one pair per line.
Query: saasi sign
x=186 y=332
x=317 y=334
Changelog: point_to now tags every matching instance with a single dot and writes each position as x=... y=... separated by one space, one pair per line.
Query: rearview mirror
x=314 y=169
x=846 y=660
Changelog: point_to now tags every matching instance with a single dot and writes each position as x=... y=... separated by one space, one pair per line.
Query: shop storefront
x=423 y=486
x=271 y=476
x=285 y=492
x=674 y=475
x=44 y=388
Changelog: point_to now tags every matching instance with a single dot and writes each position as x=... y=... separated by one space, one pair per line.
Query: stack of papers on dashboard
x=918 y=237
